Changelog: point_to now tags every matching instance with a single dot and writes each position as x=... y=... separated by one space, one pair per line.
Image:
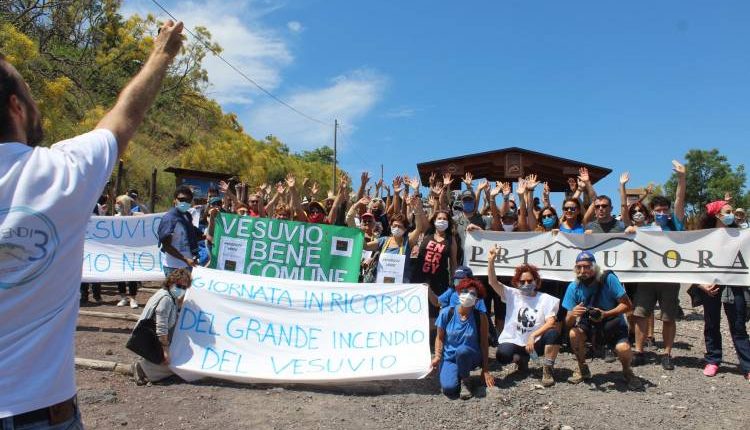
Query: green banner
x=286 y=249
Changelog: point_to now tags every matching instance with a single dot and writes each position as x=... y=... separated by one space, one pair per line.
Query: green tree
x=709 y=177
x=324 y=154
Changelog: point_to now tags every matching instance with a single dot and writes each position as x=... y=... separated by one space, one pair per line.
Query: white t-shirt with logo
x=46 y=199
x=525 y=314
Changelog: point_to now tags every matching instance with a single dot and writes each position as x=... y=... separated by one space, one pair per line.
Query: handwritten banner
x=254 y=329
x=287 y=249
x=703 y=256
x=121 y=248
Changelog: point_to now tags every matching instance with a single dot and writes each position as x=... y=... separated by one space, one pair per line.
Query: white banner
x=122 y=248
x=703 y=256
x=255 y=329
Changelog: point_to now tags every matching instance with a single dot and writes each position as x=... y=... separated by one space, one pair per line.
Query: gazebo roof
x=510 y=163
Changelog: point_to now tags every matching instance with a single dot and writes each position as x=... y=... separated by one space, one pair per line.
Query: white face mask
x=441 y=224
x=638 y=217
x=509 y=227
x=397 y=232
x=118 y=208
x=467 y=299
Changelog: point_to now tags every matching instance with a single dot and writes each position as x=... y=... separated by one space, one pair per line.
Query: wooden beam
x=110 y=315
x=111 y=366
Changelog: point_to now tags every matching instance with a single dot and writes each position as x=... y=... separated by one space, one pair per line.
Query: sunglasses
x=601 y=206
x=570 y=208
x=548 y=216
x=184 y=199
x=526 y=282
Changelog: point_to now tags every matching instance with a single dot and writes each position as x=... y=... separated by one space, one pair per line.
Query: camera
x=593 y=314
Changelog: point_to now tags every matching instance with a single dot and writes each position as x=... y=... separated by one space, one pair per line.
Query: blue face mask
x=727 y=219
x=182 y=206
x=468 y=206
x=548 y=223
x=176 y=292
x=661 y=219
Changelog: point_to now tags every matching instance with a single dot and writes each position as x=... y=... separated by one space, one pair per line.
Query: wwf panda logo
x=527 y=318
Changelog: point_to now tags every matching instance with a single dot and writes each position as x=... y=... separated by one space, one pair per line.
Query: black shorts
x=614 y=331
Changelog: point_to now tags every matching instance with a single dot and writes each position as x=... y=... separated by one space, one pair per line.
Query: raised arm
x=679 y=200
x=523 y=224
x=339 y=201
x=583 y=176
x=364 y=178
x=421 y=219
x=491 y=276
x=139 y=94
x=624 y=178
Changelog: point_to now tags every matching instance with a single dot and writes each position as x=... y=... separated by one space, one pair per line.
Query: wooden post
x=152 y=202
x=110 y=315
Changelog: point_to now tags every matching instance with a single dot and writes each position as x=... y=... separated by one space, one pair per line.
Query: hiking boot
x=639 y=359
x=667 y=363
x=138 y=374
x=548 y=376
x=609 y=355
x=465 y=390
x=634 y=383
x=582 y=373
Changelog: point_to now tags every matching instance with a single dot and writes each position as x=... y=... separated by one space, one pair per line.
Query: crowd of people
x=522 y=316
x=49 y=191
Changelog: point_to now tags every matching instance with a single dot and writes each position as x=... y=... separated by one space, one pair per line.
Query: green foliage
x=77 y=55
x=709 y=176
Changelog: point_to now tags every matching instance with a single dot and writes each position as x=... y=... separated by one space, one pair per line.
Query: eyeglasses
x=548 y=216
x=570 y=208
x=184 y=199
x=583 y=266
x=526 y=281
x=604 y=206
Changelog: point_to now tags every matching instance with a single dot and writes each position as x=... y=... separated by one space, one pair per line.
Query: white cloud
x=294 y=26
x=402 y=112
x=254 y=49
x=348 y=98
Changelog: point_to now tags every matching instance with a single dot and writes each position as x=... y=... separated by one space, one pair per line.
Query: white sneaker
x=122 y=302
x=133 y=303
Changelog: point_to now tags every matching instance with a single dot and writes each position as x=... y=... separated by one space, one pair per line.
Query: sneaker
x=465 y=390
x=123 y=302
x=138 y=374
x=548 y=376
x=634 y=382
x=639 y=359
x=582 y=373
x=711 y=369
x=667 y=363
x=133 y=303
x=609 y=355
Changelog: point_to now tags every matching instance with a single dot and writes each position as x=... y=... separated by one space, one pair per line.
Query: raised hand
x=531 y=182
x=624 y=178
x=483 y=184
x=447 y=181
x=398 y=182
x=365 y=177
x=364 y=201
x=678 y=168
x=414 y=183
x=315 y=189
x=436 y=189
x=506 y=189
x=521 y=186
x=468 y=178
x=497 y=189
x=290 y=180
x=546 y=190
x=433 y=179
x=572 y=184
x=306 y=182
x=583 y=175
x=727 y=196
x=223 y=186
x=280 y=188
x=650 y=189
x=492 y=252
x=343 y=184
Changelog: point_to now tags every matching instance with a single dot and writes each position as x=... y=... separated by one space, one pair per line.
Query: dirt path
x=682 y=398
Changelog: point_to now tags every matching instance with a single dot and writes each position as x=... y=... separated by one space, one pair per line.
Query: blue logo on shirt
x=28 y=241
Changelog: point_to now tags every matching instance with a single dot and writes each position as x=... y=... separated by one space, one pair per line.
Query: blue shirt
x=450 y=298
x=578 y=228
x=457 y=332
x=612 y=291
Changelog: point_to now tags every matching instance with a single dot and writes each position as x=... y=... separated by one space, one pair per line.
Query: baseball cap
x=368 y=215
x=585 y=256
x=463 y=272
x=467 y=195
x=740 y=210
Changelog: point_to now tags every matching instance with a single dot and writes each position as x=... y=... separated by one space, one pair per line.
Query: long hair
x=540 y=225
x=579 y=218
x=431 y=229
x=524 y=268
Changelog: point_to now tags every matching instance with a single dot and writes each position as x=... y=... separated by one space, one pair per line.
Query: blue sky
x=625 y=85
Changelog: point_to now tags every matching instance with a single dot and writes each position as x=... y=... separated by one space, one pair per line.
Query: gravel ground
x=682 y=398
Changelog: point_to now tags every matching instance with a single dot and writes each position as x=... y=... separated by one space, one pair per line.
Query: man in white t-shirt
x=46 y=196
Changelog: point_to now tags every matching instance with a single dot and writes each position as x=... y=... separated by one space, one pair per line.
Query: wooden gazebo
x=509 y=164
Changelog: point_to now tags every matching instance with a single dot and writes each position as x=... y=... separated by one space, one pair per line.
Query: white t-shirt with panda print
x=525 y=314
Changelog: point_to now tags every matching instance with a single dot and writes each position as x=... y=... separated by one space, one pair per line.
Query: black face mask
x=377 y=211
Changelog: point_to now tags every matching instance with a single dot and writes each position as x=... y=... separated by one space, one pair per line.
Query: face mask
x=727 y=219
x=661 y=219
x=397 y=232
x=639 y=217
x=467 y=299
x=548 y=223
x=176 y=292
x=182 y=206
x=316 y=217
x=441 y=224
x=118 y=209
x=508 y=227
x=468 y=206
x=376 y=211
x=528 y=289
